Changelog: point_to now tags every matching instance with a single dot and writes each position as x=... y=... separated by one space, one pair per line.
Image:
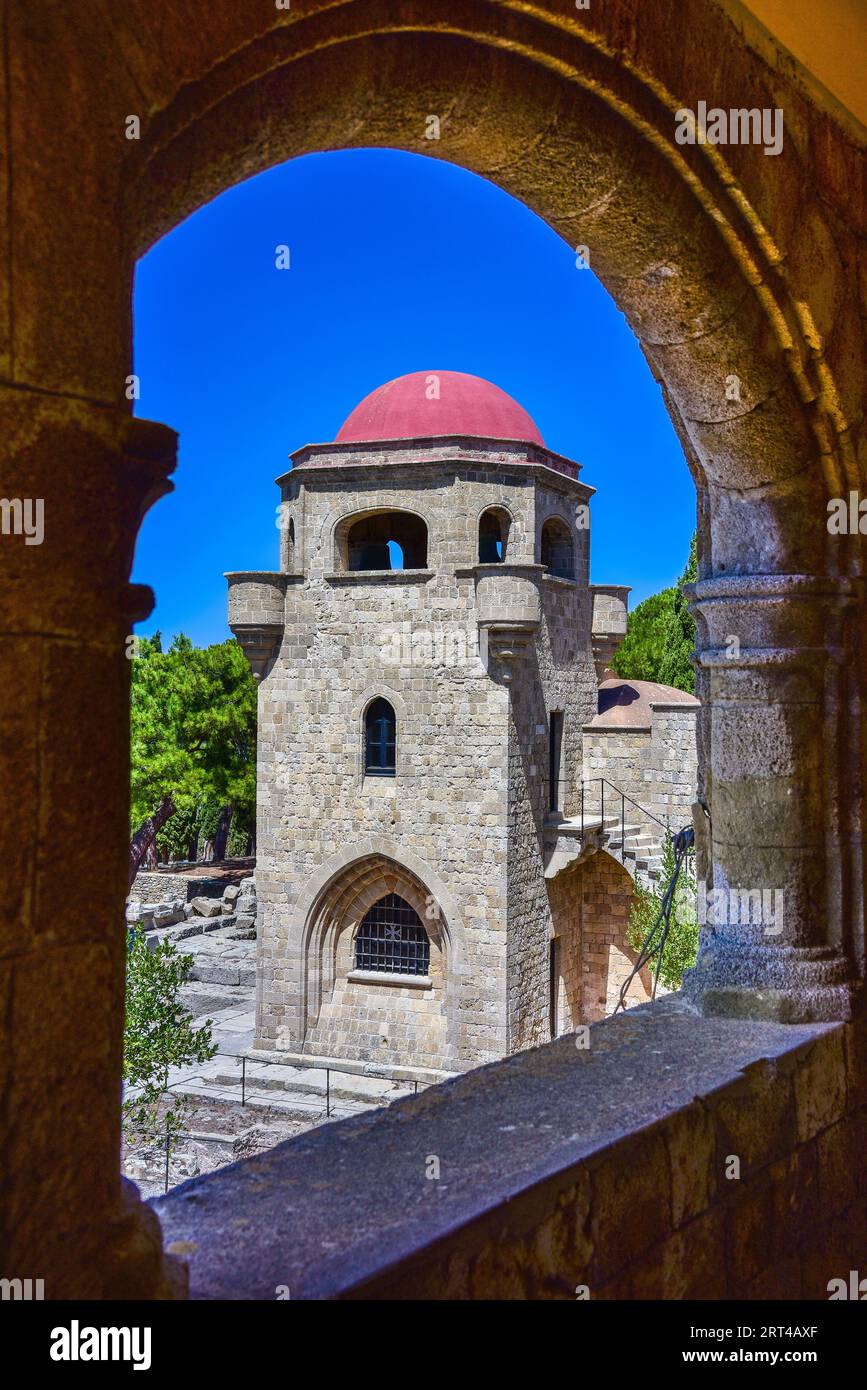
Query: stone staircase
x=634 y=837
x=634 y=846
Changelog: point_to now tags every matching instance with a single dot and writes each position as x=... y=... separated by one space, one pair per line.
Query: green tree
x=639 y=654
x=193 y=743
x=660 y=635
x=675 y=667
x=158 y=1035
x=681 y=945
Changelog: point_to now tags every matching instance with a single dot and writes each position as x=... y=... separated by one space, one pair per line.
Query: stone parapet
x=608 y=623
x=626 y=1191
x=256 y=599
x=508 y=596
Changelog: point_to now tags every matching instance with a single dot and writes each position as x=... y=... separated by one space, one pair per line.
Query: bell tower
x=426 y=664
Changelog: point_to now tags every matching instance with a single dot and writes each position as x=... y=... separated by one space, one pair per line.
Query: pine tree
x=193 y=718
x=639 y=654
x=675 y=667
x=660 y=636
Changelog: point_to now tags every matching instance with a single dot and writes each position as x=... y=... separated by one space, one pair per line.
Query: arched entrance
x=689 y=251
x=378 y=974
x=728 y=265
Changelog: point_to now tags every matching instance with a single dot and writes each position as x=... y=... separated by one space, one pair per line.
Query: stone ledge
x=407 y=576
x=377 y=977
x=538 y=1157
x=425 y=1076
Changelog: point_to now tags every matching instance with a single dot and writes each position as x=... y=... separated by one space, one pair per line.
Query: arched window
x=380 y=739
x=386 y=541
x=493 y=534
x=558 y=553
x=391 y=939
x=290 y=543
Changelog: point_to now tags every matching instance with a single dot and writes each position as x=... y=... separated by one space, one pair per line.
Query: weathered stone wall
x=622 y=756
x=605 y=892
x=155 y=885
x=560 y=676
x=659 y=1215
x=657 y=767
x=676 y=1157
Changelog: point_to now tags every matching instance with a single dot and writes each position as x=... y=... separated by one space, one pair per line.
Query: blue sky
x=399 y=263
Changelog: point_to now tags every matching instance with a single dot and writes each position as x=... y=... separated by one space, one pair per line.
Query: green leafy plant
x=681 y=946
x=158 y=1035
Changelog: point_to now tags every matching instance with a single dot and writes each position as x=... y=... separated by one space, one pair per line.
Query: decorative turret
x=256 y=615
x=609 y=624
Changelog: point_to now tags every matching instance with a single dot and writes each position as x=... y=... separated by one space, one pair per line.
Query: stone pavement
x=222 y=987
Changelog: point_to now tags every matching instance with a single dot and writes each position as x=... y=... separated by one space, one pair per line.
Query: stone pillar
x=778 y=939
x=66 y=608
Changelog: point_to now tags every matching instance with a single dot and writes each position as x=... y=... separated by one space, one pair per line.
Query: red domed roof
x=438 y=403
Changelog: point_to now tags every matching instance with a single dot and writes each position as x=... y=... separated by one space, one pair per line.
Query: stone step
x=311 y=1081
x=222 y=973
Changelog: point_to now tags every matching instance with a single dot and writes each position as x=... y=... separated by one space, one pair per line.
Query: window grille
x=391 y=939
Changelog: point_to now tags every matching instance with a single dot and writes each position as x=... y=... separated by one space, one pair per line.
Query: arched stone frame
x=342 y=525
x=514 y=539
x=557 y=517
x=359 y=710
x=346 y=885
x=711 y=252
x=290 y=540
x=560 y=509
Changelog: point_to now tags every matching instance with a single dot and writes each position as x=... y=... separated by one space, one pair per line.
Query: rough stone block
x=631 y=1203
x=216 y=974
x=691 y=1143
x=820 y=1085
x=206 y=907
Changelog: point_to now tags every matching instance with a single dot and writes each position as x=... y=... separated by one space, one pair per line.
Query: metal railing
x=170 y=1136
x=603 y=783
x=341 y=1071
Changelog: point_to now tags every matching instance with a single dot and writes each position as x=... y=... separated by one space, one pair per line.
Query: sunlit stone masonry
x=429 y=658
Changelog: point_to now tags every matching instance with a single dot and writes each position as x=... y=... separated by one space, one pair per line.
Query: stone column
x=66 y=608
x=778 y=939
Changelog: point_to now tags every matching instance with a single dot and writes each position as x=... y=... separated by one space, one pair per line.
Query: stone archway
x=590 y=904
x=725 y=262
x=327 y=988
x=686 y=245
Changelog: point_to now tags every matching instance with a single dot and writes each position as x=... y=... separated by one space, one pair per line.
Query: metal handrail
x=166 y=1136
x=603 y=783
